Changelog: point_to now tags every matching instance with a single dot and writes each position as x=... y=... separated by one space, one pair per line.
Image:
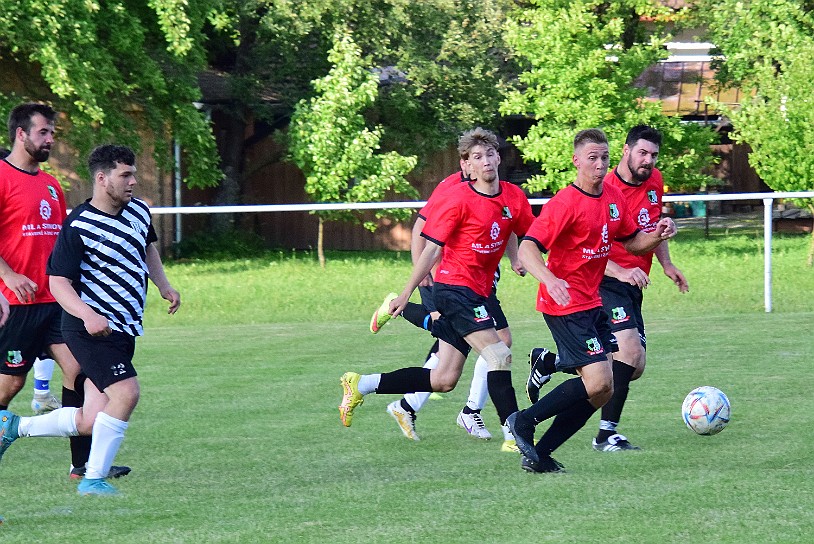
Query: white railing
x=767 y=198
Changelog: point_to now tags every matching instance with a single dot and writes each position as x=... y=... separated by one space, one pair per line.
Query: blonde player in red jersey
x=577 y=228
x=472 y=225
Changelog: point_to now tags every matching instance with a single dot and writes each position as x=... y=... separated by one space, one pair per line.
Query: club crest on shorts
x=14 y=358
x=481 y=314
x=594 y=346
x=619 y=315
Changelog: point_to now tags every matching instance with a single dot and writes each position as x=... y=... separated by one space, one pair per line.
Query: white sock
x=478 y=391
x=507 y=434
x=368 y=383
x=61 y=422
x=108 y=433
x=417 y=400
x=43 y=372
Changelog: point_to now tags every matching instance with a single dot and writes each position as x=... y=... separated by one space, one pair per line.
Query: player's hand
x=97 y=325
x=4 y=310
x=634 y=276
x=678 y=278
x=666 y=228
x=518 y=268
x=426 y=282
x=22 y=286
x=558 y=290
x=398 y=304
x=174 y=297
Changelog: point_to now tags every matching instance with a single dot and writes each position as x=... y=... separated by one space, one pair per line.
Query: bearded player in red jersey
x=577 y=228
x=472 y=224
x=626 y=275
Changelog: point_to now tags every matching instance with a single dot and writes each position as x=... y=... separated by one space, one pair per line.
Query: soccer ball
x=706 y=410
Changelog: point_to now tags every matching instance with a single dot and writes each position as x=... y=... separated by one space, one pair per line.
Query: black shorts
x=623 y=304
x=492 y=304
x=426 y=299
x=462 y=312
x=104 y=359
x=582 y=338
x=30 y=329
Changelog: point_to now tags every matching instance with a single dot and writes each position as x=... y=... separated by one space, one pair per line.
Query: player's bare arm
x=4 y=310
x=511 y=253
x=634 y=276
x=422 y=267
x=63 y=291
x=648 y=241
x=417 y=244
x=662 y=253
x=533 y=261
x=156 y=270
x=23 y=287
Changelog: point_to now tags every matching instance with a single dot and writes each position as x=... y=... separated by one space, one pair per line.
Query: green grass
x=237 y=437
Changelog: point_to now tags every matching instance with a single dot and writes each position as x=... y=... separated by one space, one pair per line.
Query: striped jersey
x=104 y=257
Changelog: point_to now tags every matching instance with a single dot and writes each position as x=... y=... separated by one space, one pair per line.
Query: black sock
x=418 y=315
x=501 y=391
x=559 y=399
x=405 y=380
x=564 y=426
x=549 y=360
x=612 y=410
x=80 y=445
x=468 y=410
x=406 y=406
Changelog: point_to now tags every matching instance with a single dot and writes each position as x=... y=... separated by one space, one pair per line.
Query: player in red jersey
x=32 y=210
x=577 y=228
x=626 y=275
x=472 y=224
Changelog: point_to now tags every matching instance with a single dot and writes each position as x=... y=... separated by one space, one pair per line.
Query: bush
x=222 y=245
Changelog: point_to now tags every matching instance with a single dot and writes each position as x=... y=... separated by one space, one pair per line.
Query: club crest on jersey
x=614 y=211
x=14 y=358
x=594 y=346
x=619 y=315
x=495 y=231
x=651 y=196
x=45 y=210
x=481 y=314
x=52 y=192
x=507 y=213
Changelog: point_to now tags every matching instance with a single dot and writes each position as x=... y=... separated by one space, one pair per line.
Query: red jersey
x=473 y=229
x=577 y=229
x=449 y=182
x=644 y=205
x=32 y=209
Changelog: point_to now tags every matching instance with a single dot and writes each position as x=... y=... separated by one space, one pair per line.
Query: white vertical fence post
x=767 y=253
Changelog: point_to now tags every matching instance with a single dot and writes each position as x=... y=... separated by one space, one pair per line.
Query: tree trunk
x=231 y=138
x=320 y=236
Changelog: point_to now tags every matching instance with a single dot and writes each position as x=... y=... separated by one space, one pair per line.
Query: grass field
x=237 y=436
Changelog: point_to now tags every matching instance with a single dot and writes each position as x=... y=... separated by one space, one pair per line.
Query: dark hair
x=589 y=136
x=105 y=157
x=643 y=132
x=20 y=117
x=476 y=136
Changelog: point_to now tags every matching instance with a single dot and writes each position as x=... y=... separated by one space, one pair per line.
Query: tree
x=580 y=60
x=113 y=68
x=767 y=48
x=332 y=145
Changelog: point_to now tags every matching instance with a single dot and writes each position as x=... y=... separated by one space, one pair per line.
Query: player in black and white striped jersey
x=99 y=269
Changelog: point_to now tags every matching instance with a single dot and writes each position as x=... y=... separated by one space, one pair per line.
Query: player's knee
x=497 y=356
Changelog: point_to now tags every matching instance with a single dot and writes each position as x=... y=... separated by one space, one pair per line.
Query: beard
x=39 y=154
x=639 y=174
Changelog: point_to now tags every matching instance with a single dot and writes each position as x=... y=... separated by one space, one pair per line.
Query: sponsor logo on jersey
x=644 y=217
x=651 y=196
x=495 y=231
x=614 y=211
x=45 y=210
x=594 y=346
x=481 y=314
x=618 y=315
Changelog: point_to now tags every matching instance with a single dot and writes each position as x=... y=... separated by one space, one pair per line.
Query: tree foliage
x=332 y=145
x=580 y=59
x=114 y=67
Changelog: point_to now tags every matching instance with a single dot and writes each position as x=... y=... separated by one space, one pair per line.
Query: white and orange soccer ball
x=706 y=410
